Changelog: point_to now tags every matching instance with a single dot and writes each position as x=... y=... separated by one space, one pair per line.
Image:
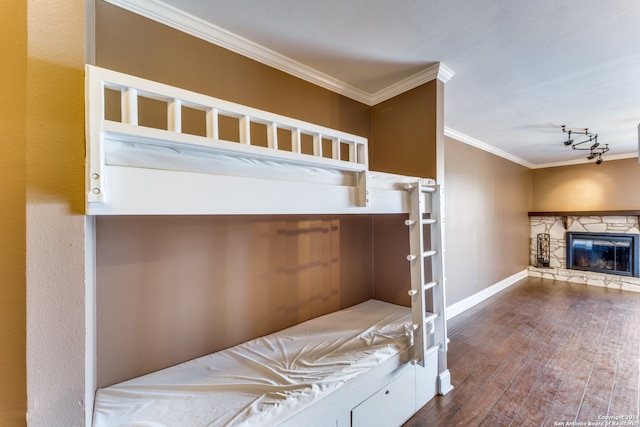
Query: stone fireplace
x=613 y=235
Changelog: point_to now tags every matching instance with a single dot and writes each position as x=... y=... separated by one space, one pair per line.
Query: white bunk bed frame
x=133 y=170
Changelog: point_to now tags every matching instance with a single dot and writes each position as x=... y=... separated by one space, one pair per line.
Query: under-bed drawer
x=390 y=406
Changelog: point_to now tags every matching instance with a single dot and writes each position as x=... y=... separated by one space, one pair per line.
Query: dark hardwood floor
x=543 y=353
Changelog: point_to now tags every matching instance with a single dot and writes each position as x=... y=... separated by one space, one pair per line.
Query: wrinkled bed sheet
x=263 y=381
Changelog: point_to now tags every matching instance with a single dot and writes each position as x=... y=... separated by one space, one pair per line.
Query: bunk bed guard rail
x=310 y=145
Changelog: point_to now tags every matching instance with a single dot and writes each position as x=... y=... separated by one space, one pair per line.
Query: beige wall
x=174 y=288
x=54 y=215
x=41 y=155
x=403 y=141
x=614 y=184
x=13 y=83
x=404 y=133
x=487 y=228
x=392 y=276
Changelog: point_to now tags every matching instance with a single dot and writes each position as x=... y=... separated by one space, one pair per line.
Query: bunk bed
x=372 y=364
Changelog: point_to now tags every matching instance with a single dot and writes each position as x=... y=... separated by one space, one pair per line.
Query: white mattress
x=263 y=381
x=140 y=155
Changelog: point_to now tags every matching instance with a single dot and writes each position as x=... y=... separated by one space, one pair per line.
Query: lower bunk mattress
x=264 y=381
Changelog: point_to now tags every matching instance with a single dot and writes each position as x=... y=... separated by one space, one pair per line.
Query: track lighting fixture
x=595 y=151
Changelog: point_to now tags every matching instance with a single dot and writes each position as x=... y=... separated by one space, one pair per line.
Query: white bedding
x=264 y=381
x=188 y=159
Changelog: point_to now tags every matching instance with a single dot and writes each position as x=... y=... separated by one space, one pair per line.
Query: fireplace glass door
x=603 y=253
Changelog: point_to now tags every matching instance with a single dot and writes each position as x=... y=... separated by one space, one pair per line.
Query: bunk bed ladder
x=427 y=287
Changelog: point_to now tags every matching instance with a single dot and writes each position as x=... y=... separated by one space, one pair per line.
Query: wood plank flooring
x=543 y=353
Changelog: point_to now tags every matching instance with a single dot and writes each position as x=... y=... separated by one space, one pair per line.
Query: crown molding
x=175 y=18
x=459 y=136
x=189 y=24
x=436 y=71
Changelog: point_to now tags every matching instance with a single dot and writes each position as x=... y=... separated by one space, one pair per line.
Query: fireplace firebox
x=603 y=253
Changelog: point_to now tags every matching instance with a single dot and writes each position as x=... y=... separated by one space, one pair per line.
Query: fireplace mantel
x=565 y=214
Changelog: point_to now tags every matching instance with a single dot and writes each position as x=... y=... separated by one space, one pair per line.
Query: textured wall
x=55 y=221
x=13 y=83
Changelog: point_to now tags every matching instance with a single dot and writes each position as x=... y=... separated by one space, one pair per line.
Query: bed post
x=94 y=113
x=361 y=189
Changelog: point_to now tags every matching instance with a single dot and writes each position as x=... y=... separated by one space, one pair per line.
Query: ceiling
x=515 y=72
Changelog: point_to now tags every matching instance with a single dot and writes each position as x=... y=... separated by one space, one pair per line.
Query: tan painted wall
x=487 y=228
x=13 y=84
x=390 y=267
x=174 y=288
x=614 y=184
x=404 y=133
x=404 y=142
x=54 y=215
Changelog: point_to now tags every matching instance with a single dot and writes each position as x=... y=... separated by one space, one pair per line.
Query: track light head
x=599 y=160
x=568 y=142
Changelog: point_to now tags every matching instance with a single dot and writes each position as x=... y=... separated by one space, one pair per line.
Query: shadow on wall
x=55 y=136
x=174 y=288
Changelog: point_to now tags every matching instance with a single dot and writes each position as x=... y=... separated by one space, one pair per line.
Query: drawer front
x=390 y=406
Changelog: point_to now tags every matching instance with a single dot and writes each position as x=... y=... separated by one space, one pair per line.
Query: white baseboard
x=461 y=306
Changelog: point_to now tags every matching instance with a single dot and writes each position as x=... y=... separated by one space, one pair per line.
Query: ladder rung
x=429 y=285
x=423 y=188
x=430 y=317
x=427 y=221
x=428 y=351
x=426 y=254
x=425 y=287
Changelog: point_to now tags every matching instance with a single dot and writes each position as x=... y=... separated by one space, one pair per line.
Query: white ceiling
x=521 y=69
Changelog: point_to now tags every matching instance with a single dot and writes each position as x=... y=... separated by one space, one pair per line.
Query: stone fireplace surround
x=556 y=224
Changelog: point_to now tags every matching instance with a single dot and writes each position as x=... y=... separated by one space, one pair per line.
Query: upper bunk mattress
x=263 y=381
